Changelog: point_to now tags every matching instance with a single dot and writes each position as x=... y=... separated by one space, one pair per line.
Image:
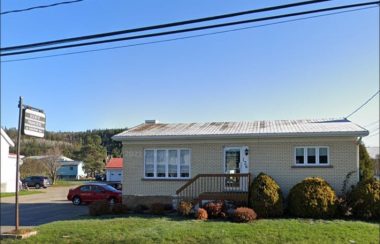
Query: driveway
x=40 y=209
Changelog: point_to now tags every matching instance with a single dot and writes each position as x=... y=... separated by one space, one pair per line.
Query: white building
x=8 y=164
x=114 y=169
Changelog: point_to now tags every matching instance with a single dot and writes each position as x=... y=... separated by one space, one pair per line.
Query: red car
x=94 y=192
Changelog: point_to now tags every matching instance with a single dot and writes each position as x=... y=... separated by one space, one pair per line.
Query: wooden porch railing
x=233 y=187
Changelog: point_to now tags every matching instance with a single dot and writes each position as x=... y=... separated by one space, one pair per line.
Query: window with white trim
x=311 y=156
x=167 y=163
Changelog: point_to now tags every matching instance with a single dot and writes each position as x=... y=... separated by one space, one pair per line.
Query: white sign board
x=34 y=123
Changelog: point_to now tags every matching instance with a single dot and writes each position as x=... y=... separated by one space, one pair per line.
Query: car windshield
x=109 y=188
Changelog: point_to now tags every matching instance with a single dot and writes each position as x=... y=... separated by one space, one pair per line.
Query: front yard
x=144 y=229
x=21 y=193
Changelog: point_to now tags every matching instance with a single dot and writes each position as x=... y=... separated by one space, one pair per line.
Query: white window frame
x=167 y=163
x=305 y=161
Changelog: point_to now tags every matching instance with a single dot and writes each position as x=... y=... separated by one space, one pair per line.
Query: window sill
x=165 y=179
x=312 y=166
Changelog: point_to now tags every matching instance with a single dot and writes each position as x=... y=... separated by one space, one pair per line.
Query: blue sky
x=317 y=68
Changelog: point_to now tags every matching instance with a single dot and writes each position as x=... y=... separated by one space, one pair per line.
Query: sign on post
x=34 y=122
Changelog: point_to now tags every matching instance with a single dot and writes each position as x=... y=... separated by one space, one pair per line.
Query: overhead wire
x=183 y=38
x=361 y=106
x=39 y=7
x=160 y=26
x=189 y=29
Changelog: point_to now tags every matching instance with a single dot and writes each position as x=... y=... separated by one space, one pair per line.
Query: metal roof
x=277 y=128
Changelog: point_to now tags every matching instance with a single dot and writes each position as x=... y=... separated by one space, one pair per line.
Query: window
x=167 y=163
x=71 y=168
x=173 y=163
x=85 y=188
x=161 y=163
x=323 y=155
x=184 y=163
x=149 y=163
x=300 y=154
x=311 y=155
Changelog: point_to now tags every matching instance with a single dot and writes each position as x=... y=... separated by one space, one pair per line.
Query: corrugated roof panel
x=253 y=128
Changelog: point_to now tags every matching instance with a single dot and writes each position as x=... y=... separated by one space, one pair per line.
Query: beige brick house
x=162 y=161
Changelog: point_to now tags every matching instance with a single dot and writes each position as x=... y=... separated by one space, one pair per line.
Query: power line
x=186 y=37
x=154 y=27
x=190 y=29
x=372 y=123
x=365 y=103
x=38 y=7
x=373 y=135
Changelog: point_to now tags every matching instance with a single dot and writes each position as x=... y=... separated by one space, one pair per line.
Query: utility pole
x=21 y=107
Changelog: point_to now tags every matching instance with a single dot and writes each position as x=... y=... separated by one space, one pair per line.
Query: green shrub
x=214 y=209
x=266 y=197
x=98 y=208
x=202 y=214
x=244 y=215
x=184 y=208
x=119 y=208
x=312 y=198
x=364 y=199
x=157 y=208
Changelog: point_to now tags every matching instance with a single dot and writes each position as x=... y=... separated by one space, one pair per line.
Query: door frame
x=243 y=159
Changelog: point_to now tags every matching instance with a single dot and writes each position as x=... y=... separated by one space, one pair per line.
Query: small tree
x=366 y=167
x=51 y=162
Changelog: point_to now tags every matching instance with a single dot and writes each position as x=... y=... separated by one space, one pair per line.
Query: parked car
x=100 y=177
x=116 y=185
x=94 y=192
x=36 y=181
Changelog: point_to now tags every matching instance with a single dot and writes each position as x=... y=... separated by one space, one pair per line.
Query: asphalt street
x=40 y=209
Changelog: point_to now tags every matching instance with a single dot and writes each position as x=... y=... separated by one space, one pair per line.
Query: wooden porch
x=225 y=187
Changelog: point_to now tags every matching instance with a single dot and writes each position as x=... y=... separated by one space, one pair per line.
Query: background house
x=114 y=169
x=70 y=169
x=8 y=164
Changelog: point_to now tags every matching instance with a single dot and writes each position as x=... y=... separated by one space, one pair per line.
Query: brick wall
x=271 y=156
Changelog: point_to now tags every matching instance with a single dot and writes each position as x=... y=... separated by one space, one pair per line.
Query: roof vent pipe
x=151 y=121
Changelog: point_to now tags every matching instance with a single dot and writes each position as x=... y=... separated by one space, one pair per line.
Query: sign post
x=20 y=105
x=31 y=122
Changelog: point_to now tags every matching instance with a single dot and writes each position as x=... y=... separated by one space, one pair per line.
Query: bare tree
x=51 y=162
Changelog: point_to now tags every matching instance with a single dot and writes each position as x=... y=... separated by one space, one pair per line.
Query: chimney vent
x=151 y=121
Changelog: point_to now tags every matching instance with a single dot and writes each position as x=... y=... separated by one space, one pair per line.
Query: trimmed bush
x=119 y=208
x=266 y=197
x=157 y=208
x=98 y=208
x=184 y=208
x=312 y=198
x=364 y=199
x=244 y=215
x=202 y=214
x=214 y=209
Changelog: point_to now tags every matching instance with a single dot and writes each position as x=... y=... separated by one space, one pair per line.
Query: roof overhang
x=243 y=136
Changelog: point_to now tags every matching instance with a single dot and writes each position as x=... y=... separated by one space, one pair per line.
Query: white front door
x=236 y=161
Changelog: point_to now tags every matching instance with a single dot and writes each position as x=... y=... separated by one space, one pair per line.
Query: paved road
x=40 y=209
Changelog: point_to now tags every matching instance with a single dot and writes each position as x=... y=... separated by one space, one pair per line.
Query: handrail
x=191 y=181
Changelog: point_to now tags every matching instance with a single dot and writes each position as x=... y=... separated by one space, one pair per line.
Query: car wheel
x=76 y=201
x=112 y=201
x=37 y=186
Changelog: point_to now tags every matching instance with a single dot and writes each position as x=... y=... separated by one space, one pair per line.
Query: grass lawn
x=142 y=229
x=59 y=183
x=21 y=193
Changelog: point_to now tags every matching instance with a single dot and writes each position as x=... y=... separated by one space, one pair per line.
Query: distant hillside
x=69 y=142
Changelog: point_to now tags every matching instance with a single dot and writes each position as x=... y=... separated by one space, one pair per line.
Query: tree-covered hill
x=68 y=142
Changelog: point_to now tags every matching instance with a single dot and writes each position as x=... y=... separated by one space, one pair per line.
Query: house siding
x=274 y=157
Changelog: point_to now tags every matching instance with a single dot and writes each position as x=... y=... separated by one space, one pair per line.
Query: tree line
x=93 y=147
